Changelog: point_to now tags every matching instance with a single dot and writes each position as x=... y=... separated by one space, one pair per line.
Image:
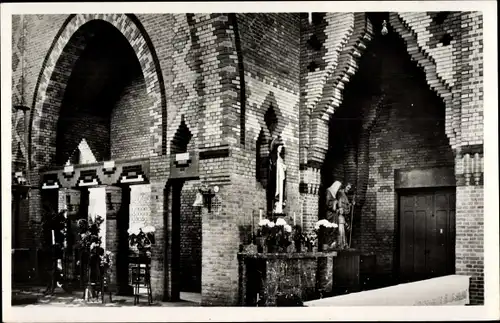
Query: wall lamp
x=204 y=196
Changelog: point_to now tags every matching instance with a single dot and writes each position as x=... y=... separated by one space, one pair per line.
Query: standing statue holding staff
x=339 y=210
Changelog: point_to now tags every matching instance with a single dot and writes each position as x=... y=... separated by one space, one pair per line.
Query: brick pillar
x=113 y=201
x=309 y=187
x=310 y=211
x=469 y=247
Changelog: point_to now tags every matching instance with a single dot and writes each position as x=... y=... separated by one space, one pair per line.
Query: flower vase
x=310 y=248
x=272 y=247
x=298 y=246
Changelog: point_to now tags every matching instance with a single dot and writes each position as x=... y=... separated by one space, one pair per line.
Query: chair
x=141 y=278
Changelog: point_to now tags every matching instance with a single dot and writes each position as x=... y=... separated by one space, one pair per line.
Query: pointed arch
x=181 y=138
x=52 y=82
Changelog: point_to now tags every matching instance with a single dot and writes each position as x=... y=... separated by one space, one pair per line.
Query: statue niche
x=276 y=185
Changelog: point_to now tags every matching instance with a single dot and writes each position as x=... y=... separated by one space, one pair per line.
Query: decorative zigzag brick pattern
x=19 y=152
x=331 y=97
x=184 y=77
x=336 y=28
x=471 y=113
x=299 y=69
x=413 y=28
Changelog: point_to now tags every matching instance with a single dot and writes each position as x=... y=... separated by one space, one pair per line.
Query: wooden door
x=427 y=234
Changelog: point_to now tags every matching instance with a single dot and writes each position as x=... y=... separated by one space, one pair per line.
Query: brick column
x=469 y=248
x=310 y=196
x=112 y=213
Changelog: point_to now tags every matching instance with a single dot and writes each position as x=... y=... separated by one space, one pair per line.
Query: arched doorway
x=96 y=106
x=388 y=139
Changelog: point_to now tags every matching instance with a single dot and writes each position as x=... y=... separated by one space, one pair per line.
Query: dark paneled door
x=427 y=234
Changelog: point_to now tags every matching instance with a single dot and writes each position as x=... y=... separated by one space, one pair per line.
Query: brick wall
x=452 y=43
x=74 y=129
x=469 y=257
x=472 y=78
x=270 y=79
x=140 y=201
x=221 y=74
x=420 y=144
x=128 y=120
x=407 y=131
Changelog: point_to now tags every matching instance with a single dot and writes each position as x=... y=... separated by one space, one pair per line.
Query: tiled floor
x=33 y=297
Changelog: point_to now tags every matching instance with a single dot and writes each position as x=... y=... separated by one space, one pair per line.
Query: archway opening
x=105 y=102
x=97 y=110
x=185 y=252
x=391 y=121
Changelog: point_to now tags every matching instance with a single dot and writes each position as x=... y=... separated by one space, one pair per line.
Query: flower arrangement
x=107 y=260
x=310 y=240
x=89 y=234
x=141 y=237
x=325 y=231
x=277 y=234
x=96 y=260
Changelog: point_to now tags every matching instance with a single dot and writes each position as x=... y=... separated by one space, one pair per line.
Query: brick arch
x=348 y=63
x=52 y=82
x=438 y=82
x=331 y=97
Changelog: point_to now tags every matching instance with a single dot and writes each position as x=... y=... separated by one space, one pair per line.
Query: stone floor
x=30 y=296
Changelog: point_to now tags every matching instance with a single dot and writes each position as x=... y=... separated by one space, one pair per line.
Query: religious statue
x=332 y=202
x=339 y=209
x=277 y=183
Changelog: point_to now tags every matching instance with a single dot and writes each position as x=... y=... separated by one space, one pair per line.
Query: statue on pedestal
x=339 y=209
x=277 y=174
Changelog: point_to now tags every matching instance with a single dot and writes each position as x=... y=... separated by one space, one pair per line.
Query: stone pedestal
x=266 y=276
x=346 y=271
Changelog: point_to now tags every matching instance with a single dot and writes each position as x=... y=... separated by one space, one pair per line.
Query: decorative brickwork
x=331 y=97
x=469 y=257
x=46 y=101
x=414 y=29
x=450 y=48
x=232 y=82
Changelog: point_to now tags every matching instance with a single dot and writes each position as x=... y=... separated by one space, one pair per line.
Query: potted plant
x=94 y=260
x=325 y=231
